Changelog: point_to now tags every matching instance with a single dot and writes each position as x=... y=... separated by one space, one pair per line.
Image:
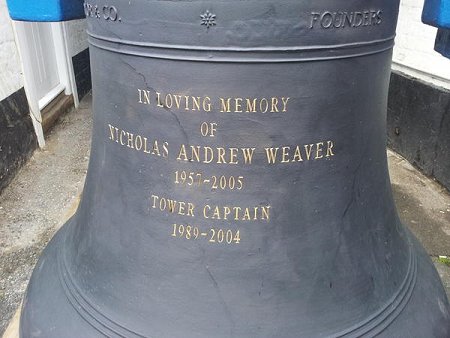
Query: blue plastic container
x=45 y=10
x=437 y=13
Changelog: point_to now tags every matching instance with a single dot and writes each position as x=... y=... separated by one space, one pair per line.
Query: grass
x=444 y=260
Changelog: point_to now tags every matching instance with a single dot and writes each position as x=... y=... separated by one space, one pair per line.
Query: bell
x=238 y=182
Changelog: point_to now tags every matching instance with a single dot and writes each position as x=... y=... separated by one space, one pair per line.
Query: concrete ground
x=37 y=202
x=45 y=193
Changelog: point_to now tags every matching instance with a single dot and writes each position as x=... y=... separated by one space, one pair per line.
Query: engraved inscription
x=300 y=153
x=344 y=19
x=193 y=103
x=222 y=155
x=237 y=213
x=172 y=206
x=214 y=182
x=211 y=212
x=253 y=105
x=105 y=12
x=212 y=235
x=138 y=142
x=208 y=129
x=215 y=155
x=219 y=223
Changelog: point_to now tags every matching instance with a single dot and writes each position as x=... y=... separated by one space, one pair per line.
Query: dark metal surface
x=308 y=246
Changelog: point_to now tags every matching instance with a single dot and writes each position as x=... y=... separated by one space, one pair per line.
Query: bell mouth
x=54 y=306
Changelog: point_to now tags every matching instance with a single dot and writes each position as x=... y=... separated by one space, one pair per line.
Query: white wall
x=11 y=78
x=414 y=51
x=77 y=37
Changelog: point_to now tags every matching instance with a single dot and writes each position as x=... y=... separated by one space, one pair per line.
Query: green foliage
x=444 y=260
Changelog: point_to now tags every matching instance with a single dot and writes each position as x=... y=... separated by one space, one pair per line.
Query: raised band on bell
x=238 y=182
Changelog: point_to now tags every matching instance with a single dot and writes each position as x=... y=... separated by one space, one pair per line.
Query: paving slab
x=423 y=206
x=46 y=192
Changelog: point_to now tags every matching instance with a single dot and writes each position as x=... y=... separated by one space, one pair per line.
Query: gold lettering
x=251 y=106
x=138 y=142
x=265 y=213
x=113 y=132
x=145 y=146
x=285 y=101
x=314 y=151
x=297 y=155
x=168 y=101
x=205 y=213
x=130 y=140
x=236 y=213
x=285 y=157
x=190 y=211
x=207 y=104
x=238 y=105
x=217 y=212
x=233 y=155
x=209 y=155
x=181 y=208
x=319 y=150
x=195 y=151
x=172 y=206
x=225 y=105
x=182 y=156
x=271 y=155
x=274 y=108
x=308 y=150
x=221 y=156
x=162 y=204
x=122 y=133
x=196 y=103
x=263 y=105
x=154 y=197
x=255 y=213
x=226 y=212
x=177 y=101
x=155 y=149
x=246 y=216
x=330 y=146
x=158 y=100
x=248 y=155
x=144 y=96
x=165 y=149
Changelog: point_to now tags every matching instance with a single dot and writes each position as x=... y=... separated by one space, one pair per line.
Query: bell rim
x=85 y=313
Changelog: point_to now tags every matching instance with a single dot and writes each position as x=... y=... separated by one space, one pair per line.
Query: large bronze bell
x=238 y=182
